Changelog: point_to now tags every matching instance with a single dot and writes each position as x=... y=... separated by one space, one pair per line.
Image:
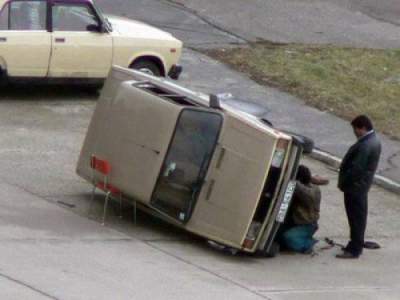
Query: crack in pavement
x=179 y=6
x=376 y=17
x=28 y=286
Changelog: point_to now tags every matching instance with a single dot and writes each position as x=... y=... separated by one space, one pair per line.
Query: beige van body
x=214 y=171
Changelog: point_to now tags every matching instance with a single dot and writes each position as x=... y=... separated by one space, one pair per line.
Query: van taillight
x=279 y=154
x=252 y=234
x=248 y=243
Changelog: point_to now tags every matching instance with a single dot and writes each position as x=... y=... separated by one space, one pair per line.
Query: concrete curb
x=334 y=162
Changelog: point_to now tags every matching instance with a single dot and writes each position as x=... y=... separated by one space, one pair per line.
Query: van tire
x=272 y=252
x=147 y=66
x=306 y=142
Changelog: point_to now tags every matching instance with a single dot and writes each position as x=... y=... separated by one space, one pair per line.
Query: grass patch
x=344 y=81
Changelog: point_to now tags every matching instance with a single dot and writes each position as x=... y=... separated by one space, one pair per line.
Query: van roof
x=203 y=100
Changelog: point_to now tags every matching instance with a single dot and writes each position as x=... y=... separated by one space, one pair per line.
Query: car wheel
x=3 y=78
x=147 y=66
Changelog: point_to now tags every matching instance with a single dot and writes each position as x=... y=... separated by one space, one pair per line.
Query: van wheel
x=306 y=142
x=272 y=252
x=147 y=66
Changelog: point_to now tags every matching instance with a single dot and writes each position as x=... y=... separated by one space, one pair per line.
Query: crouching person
x=304 y=213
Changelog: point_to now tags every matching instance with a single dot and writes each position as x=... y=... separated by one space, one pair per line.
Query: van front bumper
x=276 y=219
x=175 y=72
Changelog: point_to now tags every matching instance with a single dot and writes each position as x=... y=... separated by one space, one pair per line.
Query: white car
x=72 y=39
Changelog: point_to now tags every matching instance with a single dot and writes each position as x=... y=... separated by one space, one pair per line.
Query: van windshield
x=186 y=163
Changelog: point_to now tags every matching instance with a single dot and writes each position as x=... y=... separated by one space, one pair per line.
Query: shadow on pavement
x=157 y=233
x=48 y=92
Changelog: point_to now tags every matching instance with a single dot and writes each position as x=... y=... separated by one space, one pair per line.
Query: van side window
x=28 y=15
x=186 y=163
x=4 y=17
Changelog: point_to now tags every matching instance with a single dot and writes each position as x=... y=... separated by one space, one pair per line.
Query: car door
x=25 y=43
x=78 y=51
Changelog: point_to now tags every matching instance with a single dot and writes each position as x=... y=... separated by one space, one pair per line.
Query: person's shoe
x=319 y=180
x=346 y=255
x=371 y=245
x=309 y=251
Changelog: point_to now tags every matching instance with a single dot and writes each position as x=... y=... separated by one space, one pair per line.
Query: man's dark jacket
x=359 y=165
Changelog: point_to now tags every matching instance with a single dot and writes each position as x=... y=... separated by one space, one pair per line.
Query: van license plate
x=286 y=201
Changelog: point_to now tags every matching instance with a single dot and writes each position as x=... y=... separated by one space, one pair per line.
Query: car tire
x=3 y=78
x=147 y=66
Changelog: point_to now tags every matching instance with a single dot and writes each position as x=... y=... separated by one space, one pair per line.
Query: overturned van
x=193 y=160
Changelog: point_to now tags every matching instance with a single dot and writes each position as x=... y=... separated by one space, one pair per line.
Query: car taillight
x=279 y=154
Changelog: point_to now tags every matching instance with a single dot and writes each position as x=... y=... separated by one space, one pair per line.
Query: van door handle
x=60 y=40
x=220 y=158
x=210 y=189
x=3 y=39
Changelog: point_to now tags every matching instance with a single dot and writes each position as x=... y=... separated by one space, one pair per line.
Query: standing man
x=355 y=178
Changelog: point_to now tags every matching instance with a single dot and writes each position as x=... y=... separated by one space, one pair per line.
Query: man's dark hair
x=303 y=174
x=362 y=121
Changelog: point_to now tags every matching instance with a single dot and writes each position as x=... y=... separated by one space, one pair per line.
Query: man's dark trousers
x=356 y=204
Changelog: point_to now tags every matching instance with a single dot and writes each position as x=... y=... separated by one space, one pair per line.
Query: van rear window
x=186 y=163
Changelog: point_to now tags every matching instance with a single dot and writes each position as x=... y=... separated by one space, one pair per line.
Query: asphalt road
x=52 y=245
x=360 y=23
x=384 y=10
x=193 y=29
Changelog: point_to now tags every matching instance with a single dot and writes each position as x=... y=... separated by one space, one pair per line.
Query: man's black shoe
x=371 y=245
x=347 y=255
